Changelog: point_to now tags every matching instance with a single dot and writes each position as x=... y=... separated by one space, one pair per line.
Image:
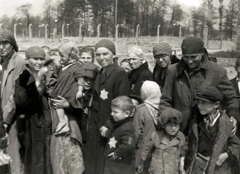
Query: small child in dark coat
x=212 y=146
x=119 y=152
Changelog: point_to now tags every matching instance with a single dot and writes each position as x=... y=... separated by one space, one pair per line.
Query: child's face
x=172 y=128
x=86 y=57
x=88 y=83
x=206 y=107
x=118 y=114
x=126 y=66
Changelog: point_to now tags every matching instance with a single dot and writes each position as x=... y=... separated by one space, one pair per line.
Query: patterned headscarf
x=162 y=48
x=7 y=35
x=192 y=45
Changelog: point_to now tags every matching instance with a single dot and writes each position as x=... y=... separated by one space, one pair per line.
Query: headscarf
x=106 y=44
x=69 y=49
x=192 y=45
x=7 y=35
x=162 y=48
x=151 y=94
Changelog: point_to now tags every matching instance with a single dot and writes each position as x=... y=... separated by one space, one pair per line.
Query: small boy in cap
x=212 y=146
x=166 y=145
x=120 y=148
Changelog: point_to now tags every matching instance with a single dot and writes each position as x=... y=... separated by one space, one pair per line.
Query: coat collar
x=136 y=72
x=104 y=74
x=119 y=123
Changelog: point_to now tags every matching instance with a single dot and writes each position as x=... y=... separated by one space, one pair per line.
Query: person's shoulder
x=216 y=67
x=141 y=107
x=18 y=58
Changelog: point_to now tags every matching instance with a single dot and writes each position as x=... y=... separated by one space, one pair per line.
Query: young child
x=119 y=152
x=125 y=65
x=211 y=143
x=167 y=145
x=68 y=83
x=86 y=55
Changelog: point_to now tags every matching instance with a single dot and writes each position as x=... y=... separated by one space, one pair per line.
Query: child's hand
x=104 y=131
x=181 y=167
x=112 y=155
x=222 y=157
x=140 y=166
x=79 y=95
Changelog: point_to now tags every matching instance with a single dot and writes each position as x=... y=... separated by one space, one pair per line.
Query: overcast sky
x=8 y=7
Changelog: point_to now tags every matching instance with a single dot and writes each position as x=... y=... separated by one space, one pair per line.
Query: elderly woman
x=163 y=57
x=111 y=82
x=36 y=113
x=140 y=71
x=184 y=79
x=12 y=66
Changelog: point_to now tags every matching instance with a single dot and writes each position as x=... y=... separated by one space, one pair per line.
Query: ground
x=145 y=43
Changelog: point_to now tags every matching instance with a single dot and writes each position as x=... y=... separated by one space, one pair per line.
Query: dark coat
x=107 y=86
x=179 y=93
x=122 y=143
x=235 y=85
x=137 y=77
x=37 y=124
x=224 y=140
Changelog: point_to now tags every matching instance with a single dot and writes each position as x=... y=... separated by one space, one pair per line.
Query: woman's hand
x=60 y=102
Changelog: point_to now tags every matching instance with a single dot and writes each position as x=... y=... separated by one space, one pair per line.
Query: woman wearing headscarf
x=140 y=71
x=12 y=66
x=111 y=82
x=145 y=118
x=163 y=57
x=186 y=78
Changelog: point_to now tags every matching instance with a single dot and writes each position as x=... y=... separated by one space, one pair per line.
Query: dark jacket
x=179 y=93
x=107 y=86
x=122 y=143
x=37 y=124
x=137 y=77
x=224 y=140
x=235 y=85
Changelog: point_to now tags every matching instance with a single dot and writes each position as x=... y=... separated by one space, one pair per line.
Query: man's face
x=162 y=60
x=86 y=57
x=5 y=48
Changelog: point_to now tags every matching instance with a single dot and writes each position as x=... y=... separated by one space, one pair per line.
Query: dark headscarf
x=192 y=45
x=7 y=35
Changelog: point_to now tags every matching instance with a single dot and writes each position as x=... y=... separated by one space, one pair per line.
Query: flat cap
x=209 y=93
x=170 y=114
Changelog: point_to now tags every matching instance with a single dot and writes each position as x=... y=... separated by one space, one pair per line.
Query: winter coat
x=122 y=143
x=224 y=140
x=113 y=82
x=179 y=93
x=137 y=77
x=166 y=154
x=37 y=124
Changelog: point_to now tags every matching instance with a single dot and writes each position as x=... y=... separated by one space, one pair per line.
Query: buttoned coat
x=179 y=93
x=122 y=143
x=111 y=83
x=224 y=140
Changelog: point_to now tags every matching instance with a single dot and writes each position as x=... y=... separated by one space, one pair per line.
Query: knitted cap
x=7 y=35
x=170 y=114
x=91 y=70
x=68 y=49
x=162 y=48
x=192 y=45
x=209 y=93
x=106 y=44
x=35 y=52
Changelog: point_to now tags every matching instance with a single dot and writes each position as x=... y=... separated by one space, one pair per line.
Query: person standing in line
x=12 y=66
x=111 y=82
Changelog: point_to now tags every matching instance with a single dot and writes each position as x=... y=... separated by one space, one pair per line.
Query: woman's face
x=63 y=59
x=162 y=60
x=134 y=61
x=104 y=57
x=86 y=57
x=35 y=63
x=5 y=48
x=192 y=60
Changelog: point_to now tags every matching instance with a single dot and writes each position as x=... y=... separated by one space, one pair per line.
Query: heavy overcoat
x=180 y=93
x=111 y=83
x=224 y=140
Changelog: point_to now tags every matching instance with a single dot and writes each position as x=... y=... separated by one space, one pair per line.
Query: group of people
x=69 y=115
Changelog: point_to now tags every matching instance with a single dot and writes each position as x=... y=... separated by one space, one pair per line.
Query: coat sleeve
x=149 y=146
x=121 y=85
x=231 y=100
x=233 y=145
x=138 y=123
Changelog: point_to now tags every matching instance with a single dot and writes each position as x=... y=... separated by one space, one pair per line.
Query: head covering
x=151 y=94
x=192 y=45
x=170 y=114
x=209 y=93
x=68 y=49
x=7 y=35
x=91 y=70
x=35 y=52
x=106 y=44
x=162 y=48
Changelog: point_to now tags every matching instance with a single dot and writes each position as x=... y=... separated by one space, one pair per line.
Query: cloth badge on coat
x=104 y=94
x=112 y=143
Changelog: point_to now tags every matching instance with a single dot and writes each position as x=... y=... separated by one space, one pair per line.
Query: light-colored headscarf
x=151 y=94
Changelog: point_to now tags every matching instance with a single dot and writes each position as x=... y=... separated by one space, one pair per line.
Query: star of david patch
x=112 y=143
x=104 y=94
